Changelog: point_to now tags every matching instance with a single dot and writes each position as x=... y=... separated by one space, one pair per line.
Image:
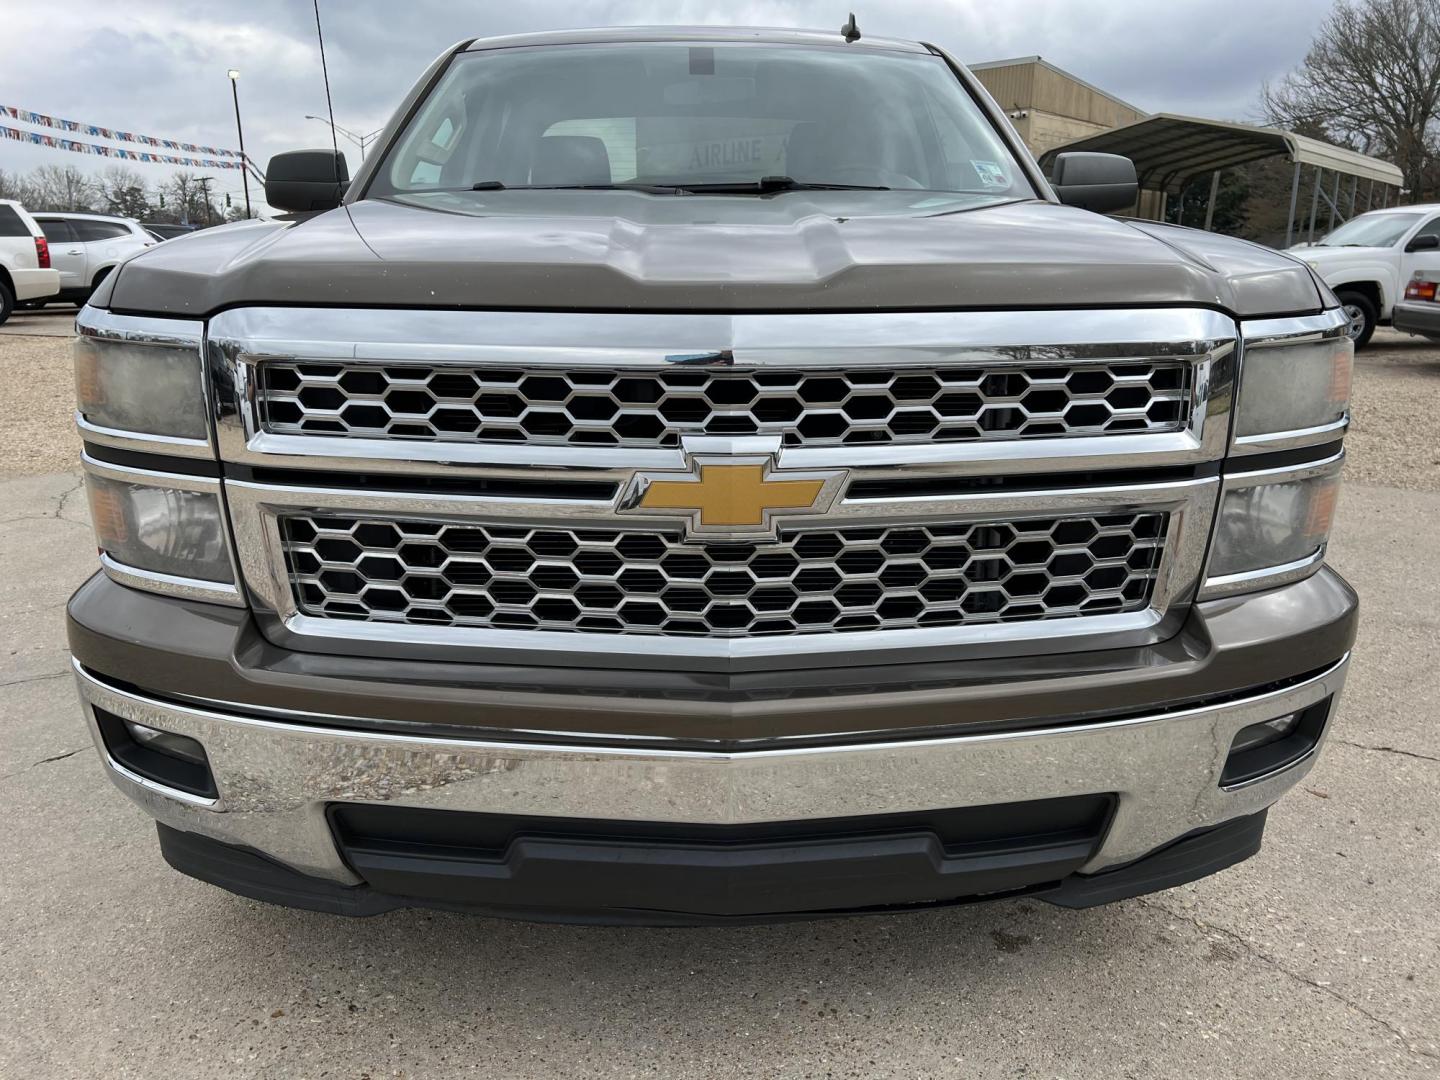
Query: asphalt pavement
x=1317 y=958
x=53 y=320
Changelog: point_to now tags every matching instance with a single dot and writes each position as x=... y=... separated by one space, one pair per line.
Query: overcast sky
x=157 y=67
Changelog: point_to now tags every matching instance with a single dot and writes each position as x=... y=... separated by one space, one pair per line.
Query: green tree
x=124 y=193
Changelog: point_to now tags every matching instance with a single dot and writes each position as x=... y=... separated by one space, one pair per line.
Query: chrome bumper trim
x=216 y=592
x=276 y=778
x=142 y=443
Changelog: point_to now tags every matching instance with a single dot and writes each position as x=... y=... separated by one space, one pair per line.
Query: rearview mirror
x=1098 y=182
x=1424 y=243
x=306 y=180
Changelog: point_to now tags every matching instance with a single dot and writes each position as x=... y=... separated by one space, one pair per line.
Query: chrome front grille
x=474 y=484
x=607 y=407
x=809 y=580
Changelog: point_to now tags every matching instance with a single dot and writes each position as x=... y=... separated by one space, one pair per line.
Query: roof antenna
x=850 y=32
x=329 y=108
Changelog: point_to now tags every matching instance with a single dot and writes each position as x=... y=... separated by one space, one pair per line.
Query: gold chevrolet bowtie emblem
x=730 y=495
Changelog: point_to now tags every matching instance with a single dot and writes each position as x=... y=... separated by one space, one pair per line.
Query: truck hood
x=630 y=251
x=1327 y=256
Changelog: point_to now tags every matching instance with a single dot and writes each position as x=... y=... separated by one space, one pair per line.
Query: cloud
x=159 y=68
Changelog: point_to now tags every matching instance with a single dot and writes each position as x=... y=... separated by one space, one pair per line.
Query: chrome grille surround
x=945 y=484
x=642 y=407
x=242 y=341
x=808 y=580
x=259 y=512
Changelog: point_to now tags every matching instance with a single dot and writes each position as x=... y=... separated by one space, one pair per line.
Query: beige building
x=1050 y=106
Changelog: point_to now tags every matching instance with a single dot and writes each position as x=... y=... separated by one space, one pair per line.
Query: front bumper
x=1145 y=731
x=1420 y=318
x=277 y=782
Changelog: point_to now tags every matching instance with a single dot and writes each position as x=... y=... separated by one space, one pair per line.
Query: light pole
x=244 y=163
x=362 y=141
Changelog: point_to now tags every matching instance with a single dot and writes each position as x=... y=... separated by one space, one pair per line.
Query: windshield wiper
x=653 y=189
x=767 y=184
x=763 y=186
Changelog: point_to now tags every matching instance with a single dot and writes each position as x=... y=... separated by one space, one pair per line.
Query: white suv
x=25 y=271
x=1369 y=260
x=86 y=247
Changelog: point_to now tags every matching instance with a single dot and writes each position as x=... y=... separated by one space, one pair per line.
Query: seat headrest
x=571 y=159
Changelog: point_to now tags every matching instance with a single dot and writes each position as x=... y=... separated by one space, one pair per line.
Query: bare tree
x=12 y=186
x=189 y=199
x=22 y=188
x=56 y=187
x=123 y=191
x=1371 y=81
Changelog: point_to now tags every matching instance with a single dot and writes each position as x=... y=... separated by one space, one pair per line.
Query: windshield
x=679 y=118
x=1371 y=230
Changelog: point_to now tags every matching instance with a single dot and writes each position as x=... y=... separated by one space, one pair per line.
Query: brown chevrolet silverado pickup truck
x=693 y=475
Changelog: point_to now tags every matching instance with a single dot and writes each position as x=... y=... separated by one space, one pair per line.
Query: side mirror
x=1098 y=182
x=306 y=180
x=1428 y=242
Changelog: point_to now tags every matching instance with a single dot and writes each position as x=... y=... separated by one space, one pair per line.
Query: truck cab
x=1369 y=260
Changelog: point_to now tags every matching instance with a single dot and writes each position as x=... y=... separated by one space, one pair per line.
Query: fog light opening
x=163 y=757
x=1264 y=733
x=1260 y=750
x=166 y=742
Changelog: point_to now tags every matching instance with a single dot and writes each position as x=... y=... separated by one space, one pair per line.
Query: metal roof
x=1168 y=150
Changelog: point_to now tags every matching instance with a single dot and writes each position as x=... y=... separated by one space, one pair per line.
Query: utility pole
x=204 y=182
x=240 y=131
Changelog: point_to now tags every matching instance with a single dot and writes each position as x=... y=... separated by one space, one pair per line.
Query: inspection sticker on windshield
x=991 y=173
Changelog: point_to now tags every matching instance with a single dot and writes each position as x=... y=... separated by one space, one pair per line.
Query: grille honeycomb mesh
x=808 y=580
x=655 y=408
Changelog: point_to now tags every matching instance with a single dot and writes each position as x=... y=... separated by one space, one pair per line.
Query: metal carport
x=1169 y=151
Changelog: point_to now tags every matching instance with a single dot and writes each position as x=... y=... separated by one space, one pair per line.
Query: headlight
x=140 y=388
x=1294 y=389
x=161 y=532
x=141 y=379
x=1272 y=527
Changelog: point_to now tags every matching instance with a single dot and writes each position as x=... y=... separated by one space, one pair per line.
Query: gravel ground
x=1394 y=439
x=37 y=396
x=1394 y=442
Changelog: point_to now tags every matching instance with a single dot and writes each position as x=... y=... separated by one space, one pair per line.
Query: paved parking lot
x=1315 y=959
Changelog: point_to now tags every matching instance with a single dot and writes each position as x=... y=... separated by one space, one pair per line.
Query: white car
x=86 y=247
x=25 y=270
x=1369 y=260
